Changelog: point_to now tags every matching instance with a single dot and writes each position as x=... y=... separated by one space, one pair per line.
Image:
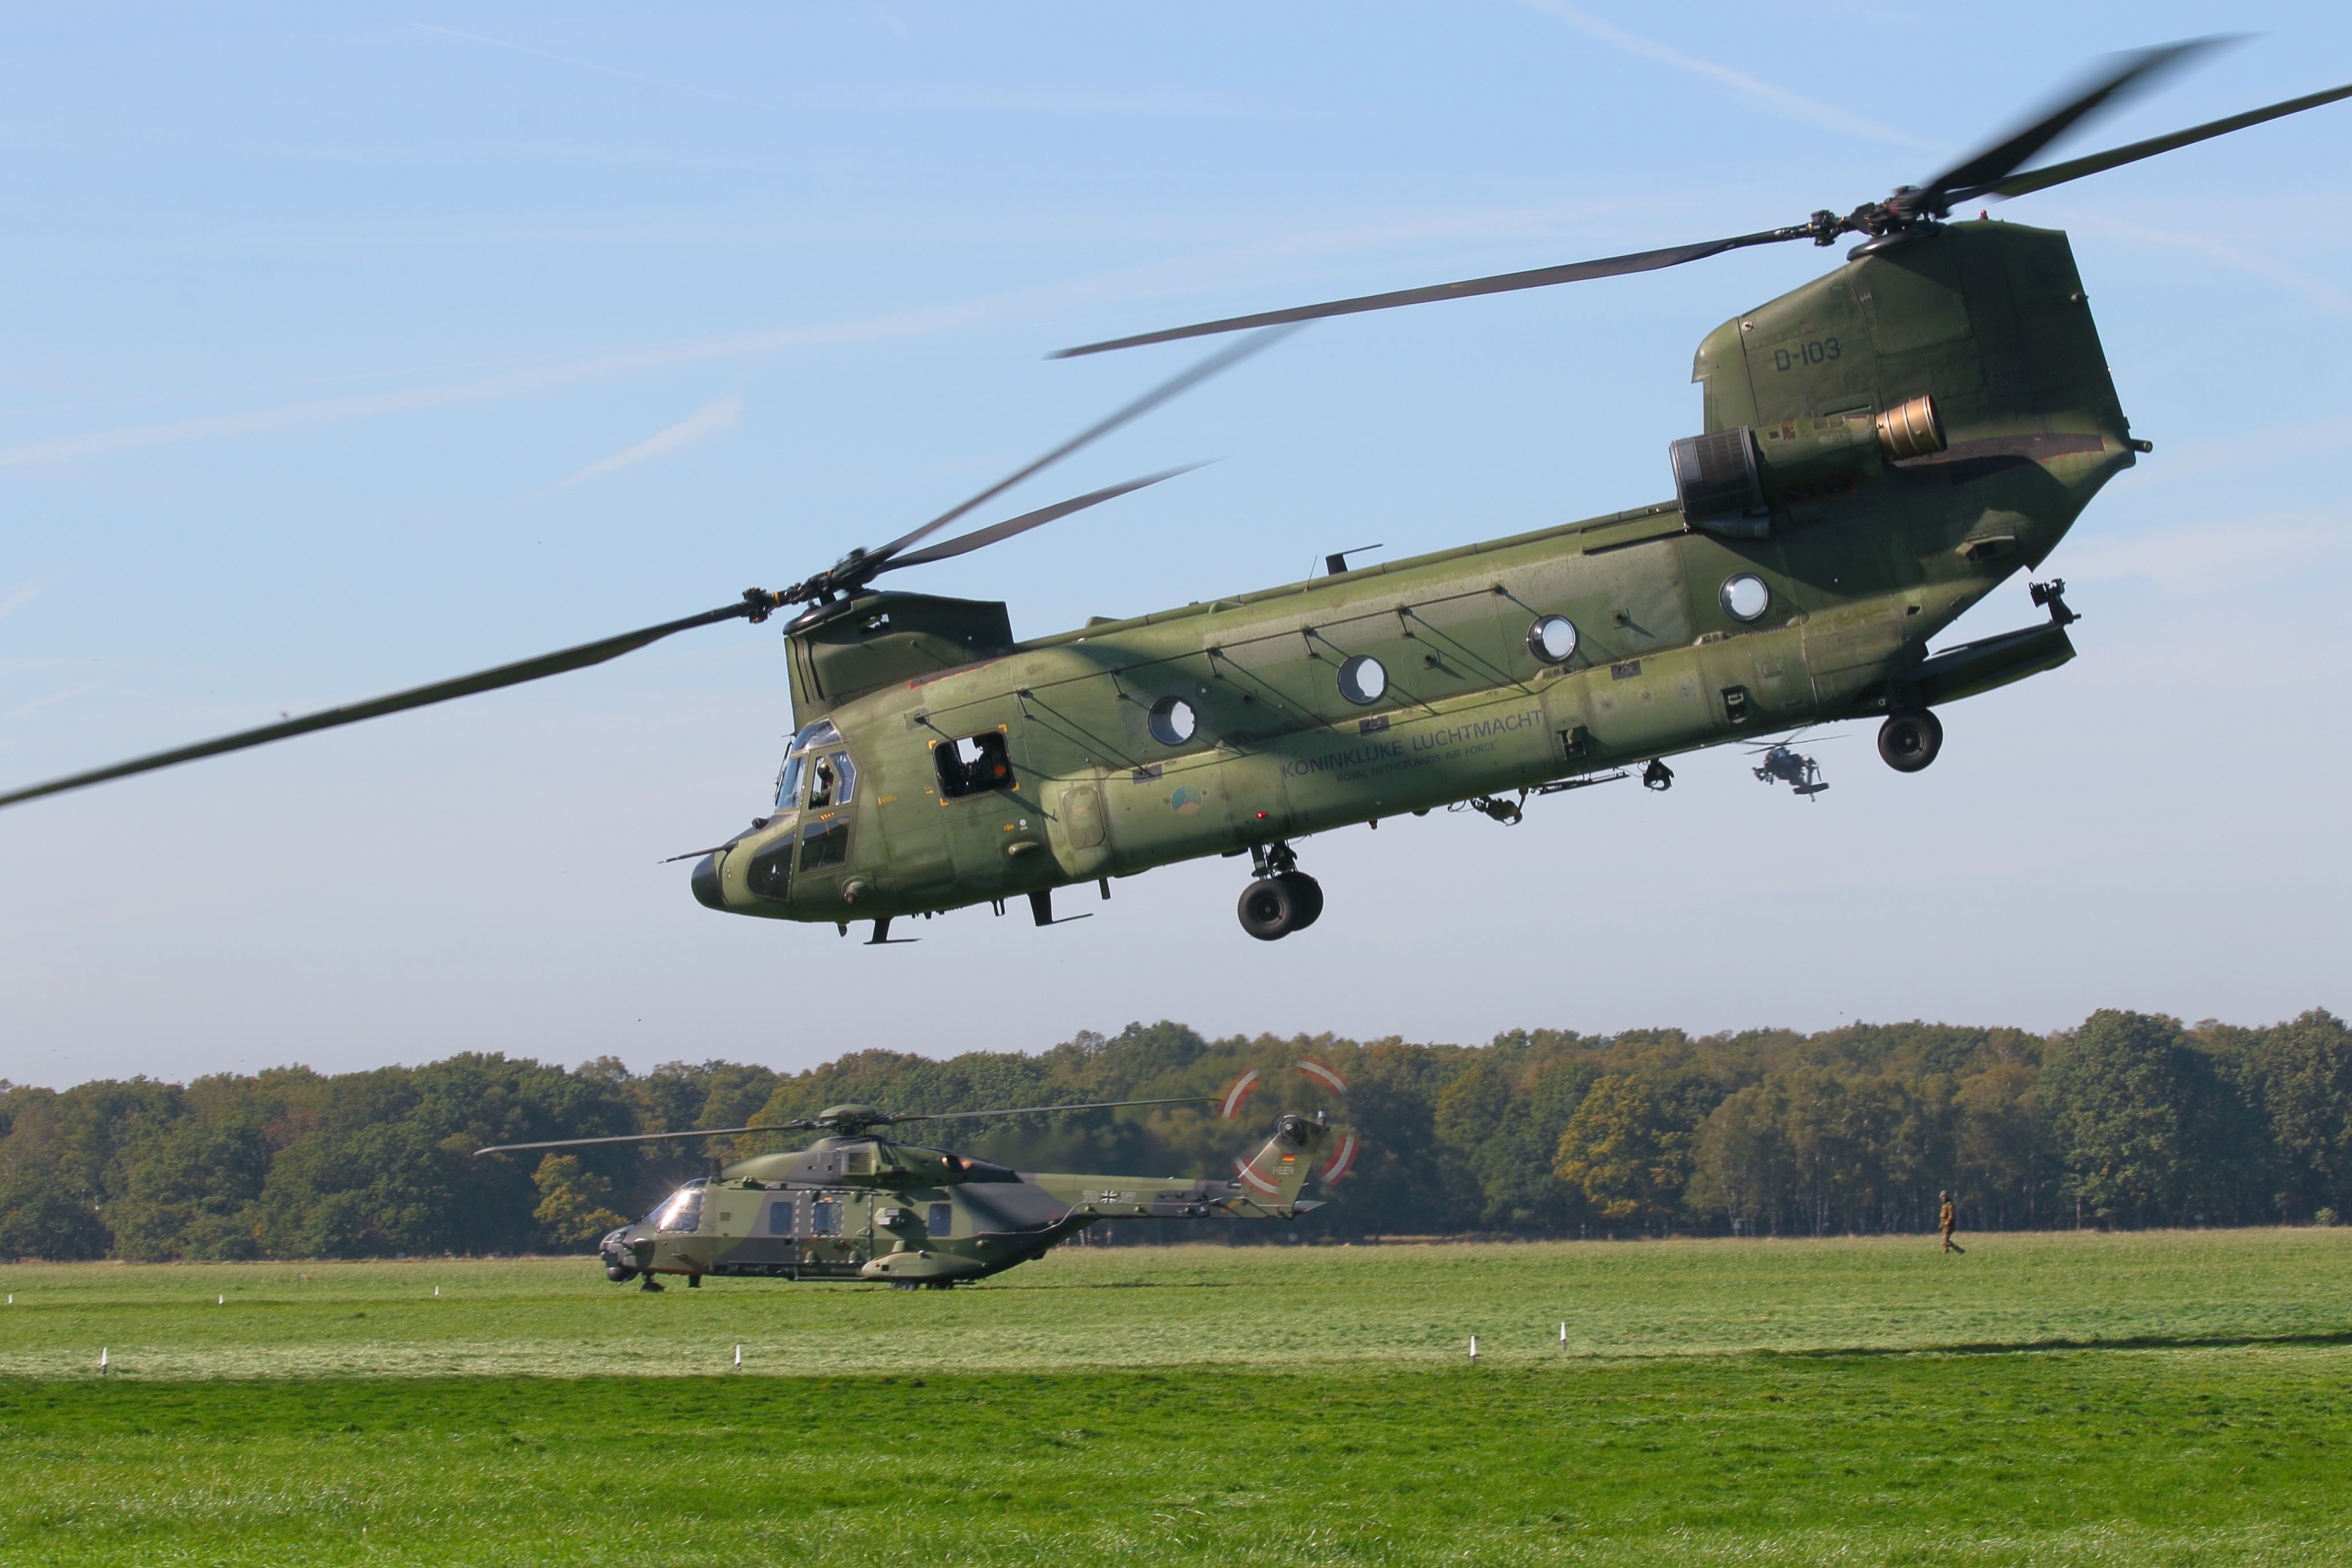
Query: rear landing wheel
x=1271 y=907
x=1909 y=741
x=1309 y=894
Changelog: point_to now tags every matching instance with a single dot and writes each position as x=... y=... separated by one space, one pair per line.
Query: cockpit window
x=682 y=1211
x=832 y=780
x=797 y=756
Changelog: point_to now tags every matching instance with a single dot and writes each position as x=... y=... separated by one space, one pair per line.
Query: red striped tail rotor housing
x=1317 y=1088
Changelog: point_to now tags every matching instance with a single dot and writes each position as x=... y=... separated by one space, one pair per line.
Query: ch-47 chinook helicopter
x=857 y=1205
x=1882 y=448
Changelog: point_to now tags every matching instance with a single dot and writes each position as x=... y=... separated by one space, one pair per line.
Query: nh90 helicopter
x=856 y=1204
x=1880 y=448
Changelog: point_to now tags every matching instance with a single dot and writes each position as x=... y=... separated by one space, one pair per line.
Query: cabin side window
x=824 y=1217
x=973 y=764
x=941 y=1222
x=780 y=1218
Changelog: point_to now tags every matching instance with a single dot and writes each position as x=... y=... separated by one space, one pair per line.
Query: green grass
x=2178 y=1398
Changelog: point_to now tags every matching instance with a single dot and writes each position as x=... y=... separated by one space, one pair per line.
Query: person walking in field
x=1948 y=1218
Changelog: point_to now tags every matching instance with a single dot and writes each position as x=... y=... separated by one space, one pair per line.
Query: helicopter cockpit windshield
x=796 y=759
x=682 y=1210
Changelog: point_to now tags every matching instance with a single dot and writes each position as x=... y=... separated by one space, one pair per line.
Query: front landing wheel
x=1909 y=741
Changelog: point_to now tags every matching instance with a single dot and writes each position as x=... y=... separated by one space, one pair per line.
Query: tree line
x=2129 y=1121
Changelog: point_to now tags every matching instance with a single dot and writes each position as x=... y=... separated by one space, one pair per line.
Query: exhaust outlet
x=1911 y=429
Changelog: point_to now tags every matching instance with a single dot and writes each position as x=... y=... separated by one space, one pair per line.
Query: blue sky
x=350 y=349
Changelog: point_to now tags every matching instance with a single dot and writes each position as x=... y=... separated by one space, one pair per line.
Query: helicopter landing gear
x=652 y=1284
x=1909 y=741
x=1284 y=899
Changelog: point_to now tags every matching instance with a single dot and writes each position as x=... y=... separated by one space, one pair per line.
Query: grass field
x=2169 y=1398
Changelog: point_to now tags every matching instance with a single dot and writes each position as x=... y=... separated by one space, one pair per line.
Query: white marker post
x=102 y=1361
x=738 y=1358
x=1474 y=1347
x=1563 y=1333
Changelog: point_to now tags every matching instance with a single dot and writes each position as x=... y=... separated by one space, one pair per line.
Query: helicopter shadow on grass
x=2326 y=1338
x=1149 y=1285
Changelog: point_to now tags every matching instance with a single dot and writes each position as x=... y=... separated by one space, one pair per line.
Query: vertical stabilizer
x=1270 y=1179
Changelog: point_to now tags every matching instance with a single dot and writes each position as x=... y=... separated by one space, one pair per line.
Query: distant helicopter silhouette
x=1782 y=764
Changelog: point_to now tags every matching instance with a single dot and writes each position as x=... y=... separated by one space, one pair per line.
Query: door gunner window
x=973 y=765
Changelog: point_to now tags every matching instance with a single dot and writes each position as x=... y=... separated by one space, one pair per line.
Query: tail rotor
x=1311 y=1141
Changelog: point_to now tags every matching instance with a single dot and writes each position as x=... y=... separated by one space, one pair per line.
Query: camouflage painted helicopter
x=856 y=1205
x=1882 y=449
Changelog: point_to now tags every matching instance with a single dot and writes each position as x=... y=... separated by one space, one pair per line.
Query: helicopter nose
x=705 y=883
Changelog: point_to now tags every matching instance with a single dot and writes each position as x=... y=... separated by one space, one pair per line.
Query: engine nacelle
x=1727 y=481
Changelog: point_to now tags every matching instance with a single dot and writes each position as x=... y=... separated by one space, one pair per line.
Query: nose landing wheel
x=1283 y=899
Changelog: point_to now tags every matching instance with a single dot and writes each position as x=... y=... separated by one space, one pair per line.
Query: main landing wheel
x=1310 y=898
x=1274 y=906
x=1909 y=741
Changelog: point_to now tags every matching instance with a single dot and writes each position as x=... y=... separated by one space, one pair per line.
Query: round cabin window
x=1744 y=597
x=1552 y=639
x=1173 y=722
x=1363 y=679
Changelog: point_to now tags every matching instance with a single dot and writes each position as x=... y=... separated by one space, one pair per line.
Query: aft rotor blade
x=646 y=1136
x=1223 y=360
x=1501 y=283
x=1987 y=168
x=2099 y=162
x=980 y=539
x=1042 y=1109
x=515 y=674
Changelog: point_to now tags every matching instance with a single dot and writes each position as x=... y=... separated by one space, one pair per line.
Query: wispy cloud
x=2204 y=559
x=921 y=99
x=2209 y=245
x=562 y=60
x=1272 y=262
x=1780 y=101
x=37 y=703
x=713 y=419
x=501 y=384
x=16 y=598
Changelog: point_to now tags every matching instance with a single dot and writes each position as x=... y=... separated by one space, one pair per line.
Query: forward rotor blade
x=646 y=1138
x=1986 y=169
x=1501 y=283
x=2099 y=162
x=982 y=538
x=1042 y=1109
x=1222 y=360
x=515 y=674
